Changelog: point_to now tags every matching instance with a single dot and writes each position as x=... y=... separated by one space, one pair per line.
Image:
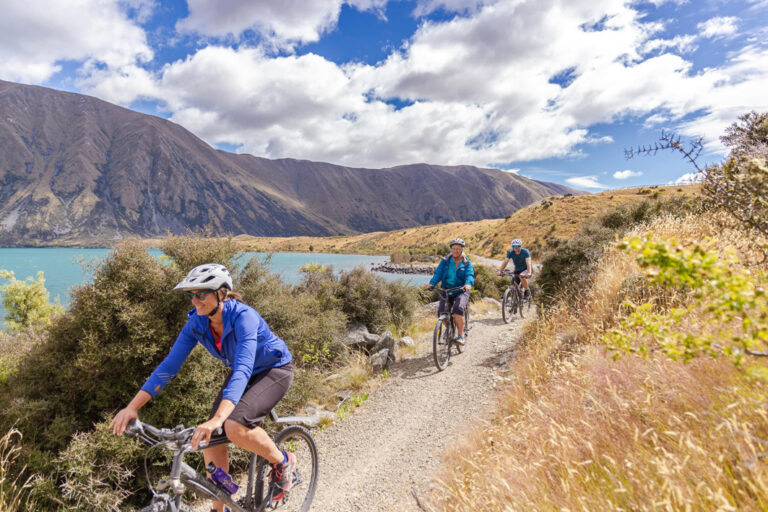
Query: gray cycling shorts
x=262 y=393
x=459 y=304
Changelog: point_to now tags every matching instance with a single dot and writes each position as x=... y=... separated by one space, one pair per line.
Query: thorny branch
x=669 y=140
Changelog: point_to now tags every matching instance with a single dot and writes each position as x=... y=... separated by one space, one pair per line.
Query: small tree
x=27 y=302
x=740 y=185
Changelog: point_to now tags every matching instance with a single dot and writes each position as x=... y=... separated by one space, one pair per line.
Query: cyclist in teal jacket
x=261 y=372
x=454 y=271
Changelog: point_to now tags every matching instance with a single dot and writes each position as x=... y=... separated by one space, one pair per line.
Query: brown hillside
x=552 y=217
x=75 y=170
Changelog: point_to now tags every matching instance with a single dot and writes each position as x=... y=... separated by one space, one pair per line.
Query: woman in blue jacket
x=261 y=371
x=455 y=271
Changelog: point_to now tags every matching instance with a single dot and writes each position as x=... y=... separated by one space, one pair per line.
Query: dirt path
x=394 y=442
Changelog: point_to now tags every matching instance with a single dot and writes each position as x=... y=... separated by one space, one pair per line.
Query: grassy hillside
x=557 y=217
x=576 y=429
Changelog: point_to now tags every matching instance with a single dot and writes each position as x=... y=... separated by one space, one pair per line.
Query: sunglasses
x=516 y=246
x=199 y=295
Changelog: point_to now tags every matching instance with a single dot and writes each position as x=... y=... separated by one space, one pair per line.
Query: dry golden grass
x=563 y=218
x=575 y=430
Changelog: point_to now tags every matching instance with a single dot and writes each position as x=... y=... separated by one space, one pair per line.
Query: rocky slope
x=75 y=169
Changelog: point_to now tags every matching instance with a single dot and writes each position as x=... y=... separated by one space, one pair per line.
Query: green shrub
x=733 y=302
x=27 y=302
x=567 y=263
x=487 y=283
x=363 y=298
x=307 y=318
x=401 y=300
x=97 y=470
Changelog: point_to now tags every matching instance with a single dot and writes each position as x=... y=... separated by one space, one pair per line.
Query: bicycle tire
x=520 y=302
x=441 y=345
x=506 y=306
x=165 y=507
x=298 y=440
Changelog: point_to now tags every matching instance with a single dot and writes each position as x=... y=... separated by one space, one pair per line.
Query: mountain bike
x=514 y=300
x=256 y=496
x=444 y=337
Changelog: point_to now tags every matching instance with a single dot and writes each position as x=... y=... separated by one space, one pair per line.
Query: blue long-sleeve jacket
x=248 y=347
x=465 y=274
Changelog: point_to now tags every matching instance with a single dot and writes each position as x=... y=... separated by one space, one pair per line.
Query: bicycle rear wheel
x=520 y=302
x=299 y=441
x=441 y=344
x=506 y=306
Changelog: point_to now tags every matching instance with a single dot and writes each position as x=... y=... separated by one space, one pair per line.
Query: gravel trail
x=393 y=443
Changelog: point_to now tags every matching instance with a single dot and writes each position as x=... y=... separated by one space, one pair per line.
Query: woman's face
x=205 y=305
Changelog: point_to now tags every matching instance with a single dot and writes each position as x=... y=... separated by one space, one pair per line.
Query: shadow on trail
x=491 y=321
x=417 y=368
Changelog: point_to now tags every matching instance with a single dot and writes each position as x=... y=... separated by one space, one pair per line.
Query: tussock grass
x=14 y=493
x=576 y=430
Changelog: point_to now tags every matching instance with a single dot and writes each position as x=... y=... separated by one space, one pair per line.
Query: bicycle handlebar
x=446 y=290
x=179 y=434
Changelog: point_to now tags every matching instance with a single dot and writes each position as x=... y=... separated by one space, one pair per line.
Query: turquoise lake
x=63 y=268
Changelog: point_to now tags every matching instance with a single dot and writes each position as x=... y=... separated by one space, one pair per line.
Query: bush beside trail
x=63 y=389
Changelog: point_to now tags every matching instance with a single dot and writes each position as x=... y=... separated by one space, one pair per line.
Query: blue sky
x=552 y=89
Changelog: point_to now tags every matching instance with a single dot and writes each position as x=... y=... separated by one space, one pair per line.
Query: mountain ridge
x=77 y=170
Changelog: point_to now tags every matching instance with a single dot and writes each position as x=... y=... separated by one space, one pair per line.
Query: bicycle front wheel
x=508 y=305
x=441 y=345
x=299 y=441
x=161 y=505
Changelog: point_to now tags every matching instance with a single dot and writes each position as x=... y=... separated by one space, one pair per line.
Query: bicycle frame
x=443 y=292
x=183 y=476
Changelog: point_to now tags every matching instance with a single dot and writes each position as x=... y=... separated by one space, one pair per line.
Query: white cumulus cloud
x=626 y=174
x=590 y=182
x=36 y=37
x=285 y=23
x=501 y=83
x=688 y=179
x=718 y=26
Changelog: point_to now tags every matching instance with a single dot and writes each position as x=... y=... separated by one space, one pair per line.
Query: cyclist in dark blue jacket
x=261 y=371
x=455 y=271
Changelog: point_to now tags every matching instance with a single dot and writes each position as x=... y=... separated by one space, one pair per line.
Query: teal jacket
x=465 y=273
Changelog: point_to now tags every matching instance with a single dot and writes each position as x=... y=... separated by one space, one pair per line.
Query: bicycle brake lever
x=134 y=427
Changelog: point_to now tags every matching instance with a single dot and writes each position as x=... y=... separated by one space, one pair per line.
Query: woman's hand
x=203 y=432
x=121 y=420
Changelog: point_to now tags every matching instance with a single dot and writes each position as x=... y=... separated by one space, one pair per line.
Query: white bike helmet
x=210 y=276
x=517 y=241
x=457 y=241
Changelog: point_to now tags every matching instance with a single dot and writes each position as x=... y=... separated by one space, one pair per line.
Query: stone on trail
x=358 y=337
x=405 y=341
x=381 y=360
